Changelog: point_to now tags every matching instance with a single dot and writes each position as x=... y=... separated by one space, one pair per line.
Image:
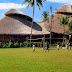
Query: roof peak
x=14 y=11
x=64 y=9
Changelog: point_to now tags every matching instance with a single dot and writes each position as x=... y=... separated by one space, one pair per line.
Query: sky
x=6 y=5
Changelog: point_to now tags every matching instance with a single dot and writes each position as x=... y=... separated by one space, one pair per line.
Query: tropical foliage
x=64 y=21
x=32 y=3
x=70 y=25
x=45 y=16
x=11 y=44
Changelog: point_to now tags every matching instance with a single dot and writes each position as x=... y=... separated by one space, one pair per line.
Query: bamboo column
x=44 y=42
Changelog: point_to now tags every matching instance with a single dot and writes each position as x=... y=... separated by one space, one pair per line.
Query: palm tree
x=64 y=21
x=32 y=4
x=51 y=10
x=45 y=16
x=70 y=25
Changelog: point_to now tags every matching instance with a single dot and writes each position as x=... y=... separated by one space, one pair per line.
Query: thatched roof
x=18 y=25
x=56 y=25
x=66 y=9
x=15 y=12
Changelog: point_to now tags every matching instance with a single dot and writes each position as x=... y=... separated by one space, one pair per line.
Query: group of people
x=47 y=47
x=68 y=46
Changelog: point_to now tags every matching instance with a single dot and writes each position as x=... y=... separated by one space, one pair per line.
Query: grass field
x=24 y=60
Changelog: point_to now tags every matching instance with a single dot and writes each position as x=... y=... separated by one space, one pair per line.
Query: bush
x=16 y=44
x=4 y=46
x=63 y=44
x=21 y=45
x=47 y=42
x=10 y=44
x=67 y=40
x=0 y=45
x=28 y=44
x=37 y=44
x=59 y=43
x=25 y=43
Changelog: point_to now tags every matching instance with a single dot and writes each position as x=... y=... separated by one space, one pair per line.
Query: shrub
x=67 y=40
x=4 y=46
x=28 y=44
x=0 y=45
x=37 y=44
x=47 y=42
x=59 y=43
x=21 y=45
x=16 y=44
x=63 y=44
x=10 y=44
x=25 y=43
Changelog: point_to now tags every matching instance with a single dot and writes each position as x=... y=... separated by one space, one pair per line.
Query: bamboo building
x=16 y=26
x=54 y=23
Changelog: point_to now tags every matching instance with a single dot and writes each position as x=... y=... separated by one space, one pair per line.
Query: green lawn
x=24 y=60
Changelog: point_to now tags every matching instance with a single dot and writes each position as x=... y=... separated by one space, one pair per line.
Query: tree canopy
x=45 y=16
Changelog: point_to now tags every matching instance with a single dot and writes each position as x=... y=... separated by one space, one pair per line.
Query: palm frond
x=27 y=6
x=25 y=1
x=70 y=25
x=39 y=3
x=64 y=20
x=30 y=3
x=45 y=16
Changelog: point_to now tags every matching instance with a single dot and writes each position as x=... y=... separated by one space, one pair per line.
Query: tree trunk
x=64 y=31
x=32 y=25
x=44 y=43
x=51 y=25
x=50 y=30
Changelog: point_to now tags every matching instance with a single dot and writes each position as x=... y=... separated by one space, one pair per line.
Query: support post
x=44 y=42
x=27 y=41
x=65 y=41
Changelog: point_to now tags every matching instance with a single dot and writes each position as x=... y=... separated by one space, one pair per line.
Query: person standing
x=70 y=45
x=67 y=46
x=47 y=46
x=33 y=48
x=58 y=46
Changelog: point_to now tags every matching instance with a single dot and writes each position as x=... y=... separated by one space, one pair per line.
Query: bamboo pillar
x=44 y=42
x=65 y=41
x=27 y=41
x=41 y=44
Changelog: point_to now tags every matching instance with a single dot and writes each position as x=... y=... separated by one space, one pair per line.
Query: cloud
x=11 y=5
x=2 y=14
x=61 y=1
